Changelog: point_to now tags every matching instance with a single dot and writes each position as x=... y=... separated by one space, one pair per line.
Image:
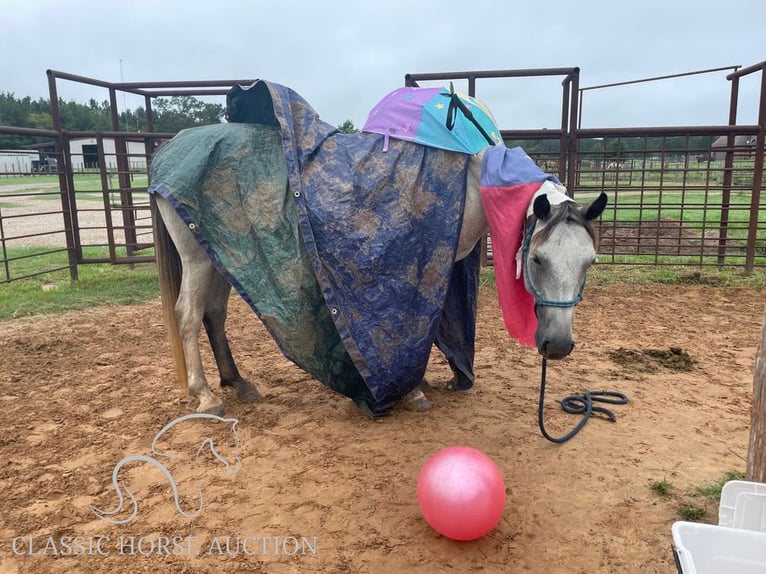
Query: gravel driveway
x=38 y=221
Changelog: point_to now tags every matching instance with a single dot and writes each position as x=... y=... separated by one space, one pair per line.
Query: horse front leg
x=198 y=276
x=415 y=400
x=214 y=319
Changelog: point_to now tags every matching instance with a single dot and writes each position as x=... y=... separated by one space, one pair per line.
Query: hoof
x=245 y=391
x=425 y=386
x=212 y=408
x=416 y=401
x=461 y=383
x=369 y=412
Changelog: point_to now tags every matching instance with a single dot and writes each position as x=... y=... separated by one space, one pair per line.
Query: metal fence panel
x=678 y=195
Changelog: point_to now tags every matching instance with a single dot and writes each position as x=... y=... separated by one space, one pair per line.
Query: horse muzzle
x=552 y=349
x=554 y=331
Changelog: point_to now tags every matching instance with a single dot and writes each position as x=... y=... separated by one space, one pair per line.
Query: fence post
x=755 y=197
x=573 y=142
x=66 y=182
x=756 y=454
x=728 y=168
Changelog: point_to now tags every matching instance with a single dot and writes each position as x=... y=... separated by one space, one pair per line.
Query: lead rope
x=578 y=404
x=455 y=104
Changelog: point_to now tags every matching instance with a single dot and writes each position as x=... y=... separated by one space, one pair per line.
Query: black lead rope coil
x=578 y=404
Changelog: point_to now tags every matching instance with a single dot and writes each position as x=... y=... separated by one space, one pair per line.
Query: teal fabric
x=241 y=212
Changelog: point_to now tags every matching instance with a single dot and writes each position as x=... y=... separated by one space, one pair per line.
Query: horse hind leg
x=214 y=320
x=197 y=278
x=185 y=273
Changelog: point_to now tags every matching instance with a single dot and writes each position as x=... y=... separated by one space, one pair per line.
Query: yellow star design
x=439 y=106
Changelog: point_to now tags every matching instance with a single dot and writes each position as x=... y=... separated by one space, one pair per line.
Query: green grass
x=51 y=290
x=661 y=487
x=609 y=274
x=27 y=179
x=688 y=209
x=82 y=182
x=713 y=490
x=486 y=276
x=695 y=504
x=640 y=173
x=691 y=512
x=50 y=194
x=697 y=211
x=603 y=275
x=98 y=284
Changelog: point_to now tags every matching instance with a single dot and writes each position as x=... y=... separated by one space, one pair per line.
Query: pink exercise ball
x=461 y=493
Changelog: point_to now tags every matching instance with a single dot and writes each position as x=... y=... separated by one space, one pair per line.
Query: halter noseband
x=540 y=301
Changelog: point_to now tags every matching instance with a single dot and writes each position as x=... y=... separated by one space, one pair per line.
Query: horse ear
x=596 y=208
x=542 y=207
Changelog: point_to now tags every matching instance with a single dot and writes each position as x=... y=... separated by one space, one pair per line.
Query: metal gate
x=678 y=195
x=689 y=195
x=117 y=214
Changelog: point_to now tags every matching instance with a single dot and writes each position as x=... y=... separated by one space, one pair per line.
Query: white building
x=18 y=161
x=85 y=154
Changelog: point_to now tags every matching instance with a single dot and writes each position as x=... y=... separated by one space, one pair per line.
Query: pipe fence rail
x=688 y=195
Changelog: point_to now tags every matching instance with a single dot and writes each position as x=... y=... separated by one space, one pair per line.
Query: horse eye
x=537 y=260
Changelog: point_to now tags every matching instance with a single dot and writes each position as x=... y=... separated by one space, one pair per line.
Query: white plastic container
x=713 y=549
x=743 y=505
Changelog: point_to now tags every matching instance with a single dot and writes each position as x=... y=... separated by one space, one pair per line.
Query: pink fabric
x=506 y=209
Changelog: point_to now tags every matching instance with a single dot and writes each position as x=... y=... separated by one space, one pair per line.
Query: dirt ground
x=323 y=489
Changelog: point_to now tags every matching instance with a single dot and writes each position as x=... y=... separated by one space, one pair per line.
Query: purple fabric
x=419 y=115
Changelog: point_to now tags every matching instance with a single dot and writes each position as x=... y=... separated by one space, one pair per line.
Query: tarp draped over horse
x=344 y=251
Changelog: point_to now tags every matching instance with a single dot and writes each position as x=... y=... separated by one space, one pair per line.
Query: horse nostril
x=556 y=350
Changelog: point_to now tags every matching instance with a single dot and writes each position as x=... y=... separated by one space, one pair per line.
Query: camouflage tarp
x=351 y=264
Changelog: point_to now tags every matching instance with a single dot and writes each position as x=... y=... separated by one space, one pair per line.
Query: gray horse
x=558 y=252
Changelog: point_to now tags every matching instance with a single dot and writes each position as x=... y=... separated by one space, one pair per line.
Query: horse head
x=219 y=435
x=226 y=448
x=557 y=252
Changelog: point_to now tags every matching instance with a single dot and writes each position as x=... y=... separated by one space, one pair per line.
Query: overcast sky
x=344 y=56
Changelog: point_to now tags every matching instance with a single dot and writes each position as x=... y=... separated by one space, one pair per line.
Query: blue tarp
x=351 y=264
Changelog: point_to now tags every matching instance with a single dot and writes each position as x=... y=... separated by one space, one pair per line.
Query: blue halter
x=539 y=300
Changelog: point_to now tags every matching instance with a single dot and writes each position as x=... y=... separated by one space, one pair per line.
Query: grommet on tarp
x=334 y=311
x=297 y=193
x=192 y=226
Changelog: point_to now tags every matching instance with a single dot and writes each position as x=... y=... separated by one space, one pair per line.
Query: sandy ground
x=39 y=222
x=323 y=489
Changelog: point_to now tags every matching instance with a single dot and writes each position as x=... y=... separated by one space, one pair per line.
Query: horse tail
x=169 y=271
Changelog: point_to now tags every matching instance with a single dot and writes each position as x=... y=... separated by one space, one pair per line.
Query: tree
x=756 y=455
x=12 y=111
x=78 y=117
x=347 y=127
x=40 y=120
x=170 y=115
x=181 y=112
